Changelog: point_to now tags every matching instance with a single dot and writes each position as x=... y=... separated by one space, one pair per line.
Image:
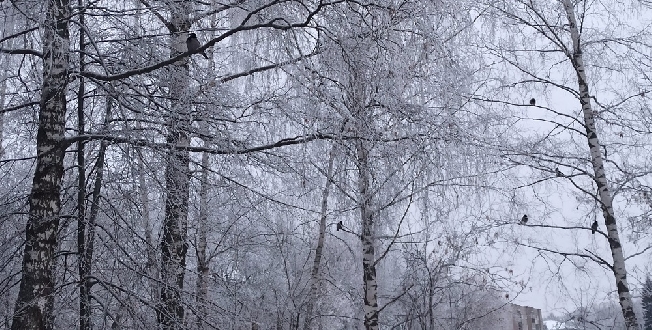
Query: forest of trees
x=332 y=164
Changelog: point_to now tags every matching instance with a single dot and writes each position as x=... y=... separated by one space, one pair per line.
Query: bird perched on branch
x=524 y=219
x=594 y=227
x=340 y=226
x=559 y=173
x=193 y=44
x=533 y=101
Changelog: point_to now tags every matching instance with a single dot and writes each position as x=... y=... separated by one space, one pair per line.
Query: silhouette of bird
x=193 y=44
x=559 y=173
x=594 y=227
x=524 y=219
x=533 y=101
x=339 y=226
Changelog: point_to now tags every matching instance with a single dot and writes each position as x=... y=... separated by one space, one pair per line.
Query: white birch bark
x=174 y=245
x=35 y=297
x=368 y=248
x=600 y=178
x=202 y=233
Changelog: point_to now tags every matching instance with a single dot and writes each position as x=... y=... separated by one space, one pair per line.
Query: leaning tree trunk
x=35 y=296
x=606 y=199
x=174 y=244
x=86 y=225
x=314 y=277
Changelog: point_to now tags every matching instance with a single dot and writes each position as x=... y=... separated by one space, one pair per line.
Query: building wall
x=517 y=317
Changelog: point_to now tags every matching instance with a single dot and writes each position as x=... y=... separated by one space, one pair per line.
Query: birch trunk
x=605 y=196
x=34 y=302
x=174 y=244
x=368 y=249
x=314 y=279
x=202 y=233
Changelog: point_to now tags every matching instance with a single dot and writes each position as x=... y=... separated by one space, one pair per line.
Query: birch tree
x=560 y=52
x=600 y=177
x=35 y=298
x=177 y=176
x=389 y=121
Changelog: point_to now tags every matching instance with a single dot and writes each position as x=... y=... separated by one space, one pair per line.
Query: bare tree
x=174 y=243
x=389 y=124
x=600 y=177
x=550 y=60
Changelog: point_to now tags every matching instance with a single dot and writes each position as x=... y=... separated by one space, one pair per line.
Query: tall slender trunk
x=3 y=93
x=35 y=299
x=5 y=63
x=600 y=177
x=314 y=278
x=368 y=248
x=152 y=264
x=174 y=244
x=202 y=233
x=83 y=266
x=86 y=247
x=203 y=261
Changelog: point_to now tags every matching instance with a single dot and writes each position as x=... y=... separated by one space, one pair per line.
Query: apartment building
x=517 y=317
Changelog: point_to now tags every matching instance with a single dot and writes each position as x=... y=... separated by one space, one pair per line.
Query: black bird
x=533 y=101
x=559 y=173
x=193 y=44
x=524 y=219
x=594 y=227
x=339 y=226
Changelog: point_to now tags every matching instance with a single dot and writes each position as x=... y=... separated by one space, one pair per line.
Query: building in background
x=517 y=317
